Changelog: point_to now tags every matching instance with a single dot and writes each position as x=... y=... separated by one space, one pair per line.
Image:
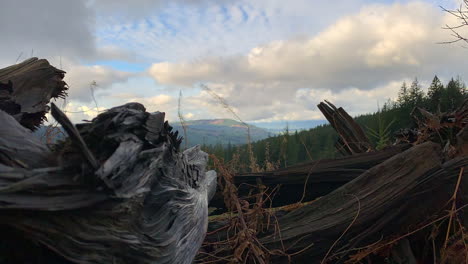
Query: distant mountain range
x=294 y=125
x=225 y=131
x=219 y=131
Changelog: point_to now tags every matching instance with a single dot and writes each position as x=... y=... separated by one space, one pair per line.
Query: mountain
x=219 y=131
x=294 y=125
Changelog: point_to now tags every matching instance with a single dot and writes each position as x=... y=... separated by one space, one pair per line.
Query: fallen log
x=375 y=211
x=309 y=180
x=313 y=179
x=384 y=201
x=117 y=190
x=388 y=200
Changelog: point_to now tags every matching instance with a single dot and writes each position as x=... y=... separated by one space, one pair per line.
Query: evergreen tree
x=403 y=95
x=453 y=95
x=434 y=94
x=415 y=94
x=388 y=105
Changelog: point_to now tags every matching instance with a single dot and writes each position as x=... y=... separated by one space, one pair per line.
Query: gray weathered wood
x=27 y=87
x=352 y=138
x=74 y=135
x=143 y=201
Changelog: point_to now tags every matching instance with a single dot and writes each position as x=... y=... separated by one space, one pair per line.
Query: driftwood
x=26 y=89
x=118 y=190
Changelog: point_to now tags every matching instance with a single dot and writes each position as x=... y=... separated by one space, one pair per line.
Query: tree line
x=289 y=148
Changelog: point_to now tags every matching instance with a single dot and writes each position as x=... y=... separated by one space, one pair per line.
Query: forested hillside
x=218 y=131
x=290 y=148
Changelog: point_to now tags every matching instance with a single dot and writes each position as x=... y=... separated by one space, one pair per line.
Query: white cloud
x=80 y=79
x=298 y=105
x=84 y=111
x=189 y=31
x=379 y=44
x=358 y=62
x=270 y=59
x=162 y=102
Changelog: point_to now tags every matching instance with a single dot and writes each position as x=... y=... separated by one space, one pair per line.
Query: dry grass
x=247 y=217
x=245 y=222
x=252 y=160
x=181 y=119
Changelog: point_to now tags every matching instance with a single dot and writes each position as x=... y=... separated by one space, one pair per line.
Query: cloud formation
x=139 y=8
x=270 y=59
x=81 y=77
x=379 y=44
x=46 y=28
x=188 y=30
x=359 y=61
x=62 y=32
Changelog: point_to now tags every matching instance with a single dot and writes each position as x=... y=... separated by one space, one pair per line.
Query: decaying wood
x=310 y=180
x=18 y=147
x=26 y=89
x=74 y=135
x=384 y=203
x=118 y=190
x=352 y=137
x=387 y=200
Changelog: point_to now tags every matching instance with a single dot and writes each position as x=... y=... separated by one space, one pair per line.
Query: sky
x=269 y=60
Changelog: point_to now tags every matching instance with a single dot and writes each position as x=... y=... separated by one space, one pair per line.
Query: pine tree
x=403 y=95
x=453 y=95
x=415 y=94
x=434 y=94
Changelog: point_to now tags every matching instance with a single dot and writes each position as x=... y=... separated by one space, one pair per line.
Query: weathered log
x=386 y=201
x=27 y=87
x=376 y=200
x=18 y=147
x=313 y=179
x=352 y=138
x=145 y=203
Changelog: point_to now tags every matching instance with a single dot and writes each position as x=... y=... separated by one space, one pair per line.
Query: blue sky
x=270 y=59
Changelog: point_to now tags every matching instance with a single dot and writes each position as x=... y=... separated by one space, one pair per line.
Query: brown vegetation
x=403 y=204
